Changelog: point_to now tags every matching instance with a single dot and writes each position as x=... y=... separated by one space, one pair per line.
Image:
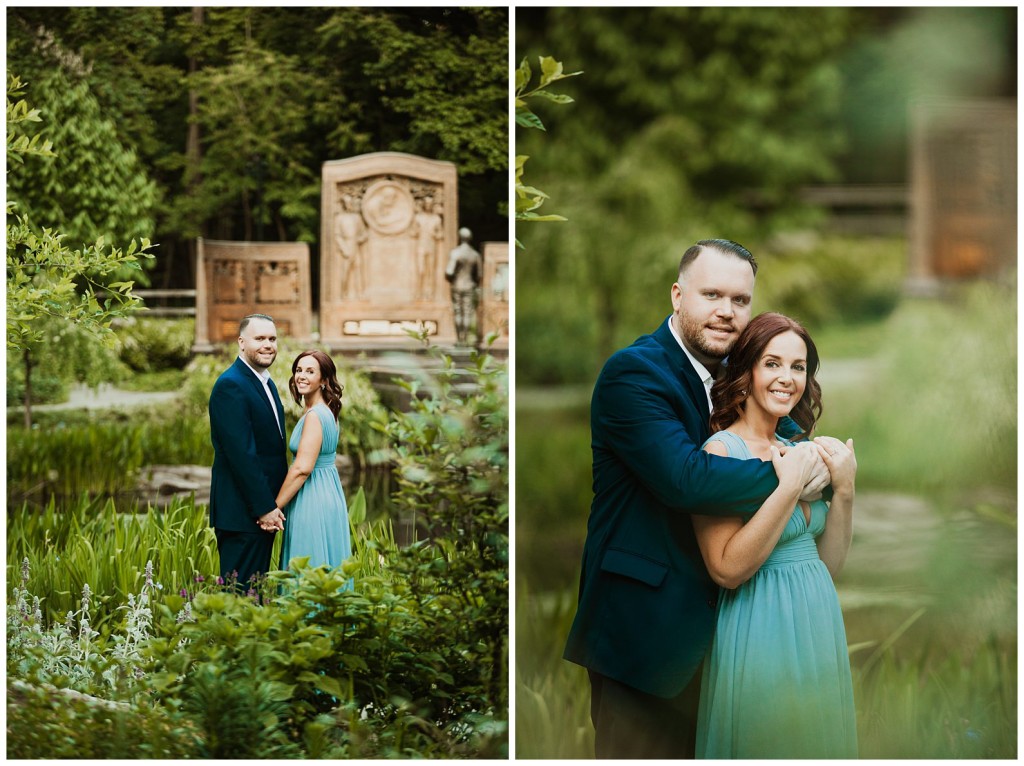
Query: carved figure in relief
x=349 y=235
x=463 y=272
x=428 y=231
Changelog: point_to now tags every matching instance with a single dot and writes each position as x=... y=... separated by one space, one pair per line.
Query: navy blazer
x=249 y=455
x=646 y=609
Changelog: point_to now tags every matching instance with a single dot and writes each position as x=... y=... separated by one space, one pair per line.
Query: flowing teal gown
x=776 y=681
x=316 y=520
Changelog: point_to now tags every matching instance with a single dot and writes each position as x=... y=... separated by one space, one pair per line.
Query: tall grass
x=99 y=457
x=91 y=541
x=939 y=415
x=914 y=701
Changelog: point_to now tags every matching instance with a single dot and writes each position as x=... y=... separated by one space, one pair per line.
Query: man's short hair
x=722 y=245
x=245 y=321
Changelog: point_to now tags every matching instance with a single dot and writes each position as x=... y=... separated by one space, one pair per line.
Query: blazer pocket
x=637 y=567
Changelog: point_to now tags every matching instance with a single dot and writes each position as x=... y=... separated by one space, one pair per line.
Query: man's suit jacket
x=249 y=462
x=646 y=609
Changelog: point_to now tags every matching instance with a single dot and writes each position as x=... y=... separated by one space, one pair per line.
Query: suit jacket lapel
x=257 y=385
x=278 y=404
x=687 y=375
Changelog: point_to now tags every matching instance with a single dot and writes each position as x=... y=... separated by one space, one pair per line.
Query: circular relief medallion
x=388 y=208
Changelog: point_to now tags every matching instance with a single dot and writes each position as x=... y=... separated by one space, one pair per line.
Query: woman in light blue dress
x=776 y=681
x=313 y=501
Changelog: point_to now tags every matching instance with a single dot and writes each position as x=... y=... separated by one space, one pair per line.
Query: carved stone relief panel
x=234 y=279
x=387 y=226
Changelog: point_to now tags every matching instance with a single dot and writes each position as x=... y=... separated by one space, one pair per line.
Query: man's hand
x=272 y=522
x=820 y=478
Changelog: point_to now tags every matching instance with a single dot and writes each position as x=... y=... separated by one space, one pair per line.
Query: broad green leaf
x=527 y=119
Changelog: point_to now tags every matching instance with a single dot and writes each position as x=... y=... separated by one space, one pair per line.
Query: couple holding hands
x=254 y=493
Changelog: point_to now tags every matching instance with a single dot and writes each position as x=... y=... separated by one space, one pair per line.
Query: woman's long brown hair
x=730 y=392
x=329 y=375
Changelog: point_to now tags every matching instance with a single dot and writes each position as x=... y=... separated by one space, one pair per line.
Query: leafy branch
x=529 y=198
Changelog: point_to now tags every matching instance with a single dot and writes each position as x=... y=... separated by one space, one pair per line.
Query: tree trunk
x=27 y=359
x=193 y=152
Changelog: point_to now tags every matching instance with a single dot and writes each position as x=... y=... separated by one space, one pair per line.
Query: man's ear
x=676 y=294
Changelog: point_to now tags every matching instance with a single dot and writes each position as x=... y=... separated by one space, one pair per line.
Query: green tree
x=688 y=114
x=95 y=187
x=58 y=296
x=233 y=110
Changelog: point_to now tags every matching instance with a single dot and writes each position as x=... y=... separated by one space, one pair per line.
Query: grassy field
x=929 y=592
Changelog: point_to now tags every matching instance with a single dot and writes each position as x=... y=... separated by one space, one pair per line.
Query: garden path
x=104 y=396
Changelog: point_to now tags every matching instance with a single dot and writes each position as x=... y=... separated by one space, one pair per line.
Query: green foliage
x=361 y=670
x=919 y=436
x=528 y=198
x=388 y=669
x=94 y=188
x=153 y=344
x=451 y=465
x=43 y=723
x=88 y=542
x=233 y=110
x=831 y=280
x=667 y=147
x=101 y=454
x=55 y=292
x=252 y=122
x=45 y=278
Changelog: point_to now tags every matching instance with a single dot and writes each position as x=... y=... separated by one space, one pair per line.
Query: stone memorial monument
x=387 y=226
x=963 y=190
x=494 y=295
x=238 y=278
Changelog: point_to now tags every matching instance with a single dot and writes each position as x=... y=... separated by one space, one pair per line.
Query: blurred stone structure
x=963 y=190
x=387 y=226
x=494 y=295
x=234 y=279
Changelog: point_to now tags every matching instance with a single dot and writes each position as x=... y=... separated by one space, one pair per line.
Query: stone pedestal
x=388 y=221
x=234 y=279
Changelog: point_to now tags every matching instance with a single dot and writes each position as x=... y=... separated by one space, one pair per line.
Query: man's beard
x=253 y=359
x=692 y=333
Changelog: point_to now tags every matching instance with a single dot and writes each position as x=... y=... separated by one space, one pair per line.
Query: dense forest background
x=690 y=123
x=178 y=122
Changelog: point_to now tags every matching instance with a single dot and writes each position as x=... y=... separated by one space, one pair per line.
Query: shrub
x=151 y=344
x=44 y=723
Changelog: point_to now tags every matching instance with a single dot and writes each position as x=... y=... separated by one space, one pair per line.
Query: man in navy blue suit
x=249 y=462
x=646 y=608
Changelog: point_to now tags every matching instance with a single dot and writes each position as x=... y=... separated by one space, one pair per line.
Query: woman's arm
x=734 y=551
x=834 y=542
x=305 y=459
